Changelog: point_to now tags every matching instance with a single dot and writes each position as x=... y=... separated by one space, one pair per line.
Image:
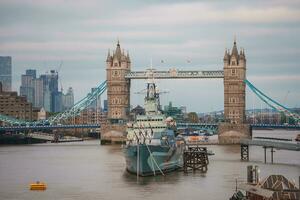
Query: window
x=233 y=72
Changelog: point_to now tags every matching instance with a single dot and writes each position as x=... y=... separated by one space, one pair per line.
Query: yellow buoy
x=38 y=186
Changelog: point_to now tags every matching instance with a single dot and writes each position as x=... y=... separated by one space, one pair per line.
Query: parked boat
x=38 y=186
x=151 y=145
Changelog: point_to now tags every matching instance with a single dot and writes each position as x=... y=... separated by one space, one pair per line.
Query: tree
x=193 y=117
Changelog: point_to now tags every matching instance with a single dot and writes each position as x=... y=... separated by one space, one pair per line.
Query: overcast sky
x=40 y=34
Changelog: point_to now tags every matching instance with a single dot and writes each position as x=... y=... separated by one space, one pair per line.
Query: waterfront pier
x=267 y=143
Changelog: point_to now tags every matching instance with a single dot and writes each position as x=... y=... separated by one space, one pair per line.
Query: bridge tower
x=234 y=86
x=234 y=127
x=118 y=88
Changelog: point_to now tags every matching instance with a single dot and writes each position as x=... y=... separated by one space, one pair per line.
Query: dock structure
x=273 y=187
x=195 y=158
x=271 y=143
x=54 y=138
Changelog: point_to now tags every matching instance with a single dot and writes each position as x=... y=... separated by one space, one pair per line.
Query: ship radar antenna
x=150 y=73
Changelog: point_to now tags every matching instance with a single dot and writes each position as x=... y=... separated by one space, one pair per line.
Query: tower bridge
x=119 y=75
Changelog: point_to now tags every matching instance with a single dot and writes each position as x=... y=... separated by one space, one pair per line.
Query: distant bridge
x=48 y=127
x=276 y=126
x=213 y=127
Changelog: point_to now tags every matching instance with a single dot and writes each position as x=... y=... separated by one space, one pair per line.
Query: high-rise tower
x=234 y=86
x=5 y=72
x=118 y=88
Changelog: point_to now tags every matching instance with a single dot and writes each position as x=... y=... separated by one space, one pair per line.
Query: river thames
x=86 y=170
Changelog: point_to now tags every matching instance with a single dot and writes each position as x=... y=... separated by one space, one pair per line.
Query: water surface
x=86 y=170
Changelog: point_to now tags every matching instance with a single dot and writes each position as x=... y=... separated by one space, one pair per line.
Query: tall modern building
x=27 y=86
x=5 y=72
x=105 y=106
x=38 y=92
x=43 y=92
x=47 y=99
x=68 y=99
x=52 y=97
x=97 y=103
x=57 y=103
x=31 y=72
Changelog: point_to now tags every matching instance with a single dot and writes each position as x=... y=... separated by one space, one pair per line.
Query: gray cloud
x=39 y=34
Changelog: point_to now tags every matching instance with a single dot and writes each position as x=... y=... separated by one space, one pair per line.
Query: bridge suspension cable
x=80 y=105
x=272 y=103
x=11 y=120
x=75 y=110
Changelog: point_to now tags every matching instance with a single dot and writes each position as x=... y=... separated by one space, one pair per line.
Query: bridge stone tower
x=234 y=128
x=118 y=88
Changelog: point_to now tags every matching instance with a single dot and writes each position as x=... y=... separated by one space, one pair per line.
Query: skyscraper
x=105 y=105
x=47 y=99
x=27 y=88
x=56 y=103
x=31 y=72
x=96 y=104
x=52 y=97
x=68 y=99
x=38 y=92
x=5 y=72
x=43 y=91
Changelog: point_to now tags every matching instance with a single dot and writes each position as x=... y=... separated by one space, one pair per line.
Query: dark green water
x=86 y=170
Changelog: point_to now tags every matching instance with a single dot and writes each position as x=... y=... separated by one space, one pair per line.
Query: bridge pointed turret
x=128 y=58
x=123 y=57
x=234 y=51
x=118 y=52
x=242 y=55
x=226 y=56
x=109 y=58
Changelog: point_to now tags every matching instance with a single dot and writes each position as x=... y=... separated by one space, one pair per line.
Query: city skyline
x=79 y=34
x=45 y=91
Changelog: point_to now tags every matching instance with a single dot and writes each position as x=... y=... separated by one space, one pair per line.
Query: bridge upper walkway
x=174 y=74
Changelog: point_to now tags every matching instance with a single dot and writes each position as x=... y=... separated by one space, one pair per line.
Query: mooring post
x=265 y=153
x=272 y=151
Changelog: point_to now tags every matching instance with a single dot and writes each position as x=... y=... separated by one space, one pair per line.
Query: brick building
x=14 y=106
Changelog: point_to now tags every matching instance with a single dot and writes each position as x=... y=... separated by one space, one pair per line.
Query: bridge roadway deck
x=275 y=126
x=292 y=146
x=174 y=74
x=201 y=126
x=45 y=127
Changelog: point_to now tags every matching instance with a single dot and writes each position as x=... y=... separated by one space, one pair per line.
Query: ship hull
x=140 y=161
